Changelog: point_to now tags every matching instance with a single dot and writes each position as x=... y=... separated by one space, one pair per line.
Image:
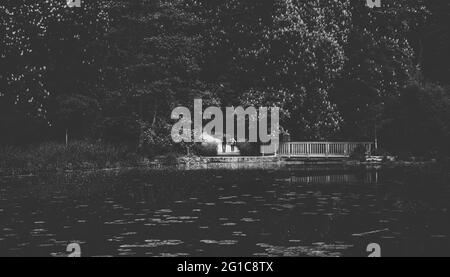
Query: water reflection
x=259 y=211
x=368 y=178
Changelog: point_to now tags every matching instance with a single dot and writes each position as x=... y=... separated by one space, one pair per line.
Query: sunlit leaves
x=25 y=55
x=281 y=52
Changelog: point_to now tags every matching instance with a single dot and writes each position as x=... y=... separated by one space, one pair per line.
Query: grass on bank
x=79 y=155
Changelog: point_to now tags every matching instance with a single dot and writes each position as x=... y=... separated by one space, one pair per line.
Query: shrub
x=417 y=122
x=380 y=152
x=171 y=159
x=206 y=149
x=405 y=155
x=359 y=153
x=54 y=156
x=249 y=148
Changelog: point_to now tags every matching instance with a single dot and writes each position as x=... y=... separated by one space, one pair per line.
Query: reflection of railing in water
x=320 y=149
x=369 y=178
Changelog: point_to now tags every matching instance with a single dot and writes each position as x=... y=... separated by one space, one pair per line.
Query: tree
x=434 y=42
x=380 y=62
x=418 y=122
x=73 y=111
x=48 y=50
x=36 y=36
x=154 y=54
x=281 y=52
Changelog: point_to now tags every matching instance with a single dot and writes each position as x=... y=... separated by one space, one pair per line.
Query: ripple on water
x=163 y=211
x=248 y=219
x=116 y=239
x=117 y=222
x=287 y=206
x=157 y=243
x=235 y=202
x=239 y=234
x=220 y=242
x=316 y=249
x=152 y=244
x=227 y=197
x=128 y=234
x=439 y=236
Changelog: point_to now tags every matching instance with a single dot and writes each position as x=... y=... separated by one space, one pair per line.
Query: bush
x=380 y=152
x=206 y=149
x=359 y=153
x=417 y=123
x=54 y=156
x=405 y=155
x=171 y=159
x=249 y=148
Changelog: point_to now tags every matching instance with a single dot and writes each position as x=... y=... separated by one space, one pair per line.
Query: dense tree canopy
x=380 y=62
x=283 y=53
x=40 y=40
x=47 y=50
x=114 y=70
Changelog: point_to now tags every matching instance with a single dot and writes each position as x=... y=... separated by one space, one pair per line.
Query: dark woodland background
x=111 y=72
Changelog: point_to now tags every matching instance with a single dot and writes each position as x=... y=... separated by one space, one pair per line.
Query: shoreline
x=213 y=163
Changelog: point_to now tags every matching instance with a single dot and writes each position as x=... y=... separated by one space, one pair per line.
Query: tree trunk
x=155 y=110
x=67 y=137
x=141 y=125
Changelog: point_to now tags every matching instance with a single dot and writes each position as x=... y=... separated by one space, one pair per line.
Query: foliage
x=283 y=53
x=53 y=156
x=380 y=152
x=205 y=149
x=42 y=41
x=171 y=159
x=153 y=64
x=75 y=111
x=249 y=148
x=434 y=42
x=113 y=70
x=380 y=62
x=359 y=153
x=419 y=121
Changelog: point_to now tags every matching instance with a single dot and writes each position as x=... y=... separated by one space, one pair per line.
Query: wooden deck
x=320 y=149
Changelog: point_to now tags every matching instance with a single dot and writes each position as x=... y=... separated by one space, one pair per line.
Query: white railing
x=320 y=149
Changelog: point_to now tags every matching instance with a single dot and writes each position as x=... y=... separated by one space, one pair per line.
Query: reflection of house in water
x=368 y=178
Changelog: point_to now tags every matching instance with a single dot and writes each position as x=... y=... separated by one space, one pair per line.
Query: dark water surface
x=275 y=211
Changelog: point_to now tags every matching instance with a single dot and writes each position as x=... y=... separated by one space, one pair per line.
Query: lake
x=273 y=210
